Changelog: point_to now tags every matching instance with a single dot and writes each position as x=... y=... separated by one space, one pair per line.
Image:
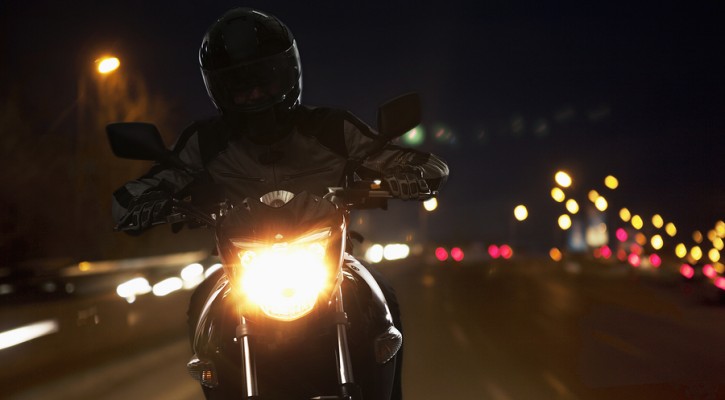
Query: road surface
x=498 y=330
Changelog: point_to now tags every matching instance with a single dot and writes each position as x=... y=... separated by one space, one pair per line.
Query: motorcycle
x=290 y=314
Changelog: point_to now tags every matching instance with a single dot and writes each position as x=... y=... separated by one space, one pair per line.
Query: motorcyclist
x=264 y=139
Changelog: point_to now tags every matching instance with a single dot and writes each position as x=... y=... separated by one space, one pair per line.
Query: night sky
x=523 y=88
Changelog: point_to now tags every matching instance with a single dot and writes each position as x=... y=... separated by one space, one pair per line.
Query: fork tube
x=344 y=365
x=249 y=368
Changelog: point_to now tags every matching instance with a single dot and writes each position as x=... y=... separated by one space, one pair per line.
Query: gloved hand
x=407 y=183
x=145 y=211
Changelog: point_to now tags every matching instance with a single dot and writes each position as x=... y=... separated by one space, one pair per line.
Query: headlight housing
x=285 y=279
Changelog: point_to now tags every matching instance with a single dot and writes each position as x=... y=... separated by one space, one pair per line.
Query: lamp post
x=86 y=136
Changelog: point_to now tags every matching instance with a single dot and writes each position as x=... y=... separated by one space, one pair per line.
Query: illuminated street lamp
x=563 y=179
x=108 y=64
x=520 y=212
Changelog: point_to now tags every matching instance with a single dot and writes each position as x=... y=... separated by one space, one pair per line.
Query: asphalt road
x=500 y=331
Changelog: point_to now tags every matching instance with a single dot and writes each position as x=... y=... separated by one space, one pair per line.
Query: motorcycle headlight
x=285 y=279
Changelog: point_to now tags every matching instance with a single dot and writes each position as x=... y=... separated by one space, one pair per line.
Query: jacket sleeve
x=161 y=177
x=373 y=155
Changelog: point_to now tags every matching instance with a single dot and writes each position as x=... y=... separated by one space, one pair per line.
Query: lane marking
x=556 y=384
x=459 y=335
x=495 y=391
x=26 y=333
x=617 y=343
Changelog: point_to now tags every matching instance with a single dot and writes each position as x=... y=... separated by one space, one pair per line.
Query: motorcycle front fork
x=348 y=388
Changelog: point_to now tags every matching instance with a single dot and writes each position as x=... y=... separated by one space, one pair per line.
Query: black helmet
x=250 y=65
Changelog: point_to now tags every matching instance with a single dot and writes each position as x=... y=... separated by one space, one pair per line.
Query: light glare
x=430 y=204
x=26 y=333
x=108 y=64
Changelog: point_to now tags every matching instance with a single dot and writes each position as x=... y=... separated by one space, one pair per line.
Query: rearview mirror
x=399 y=115
x=136 y=141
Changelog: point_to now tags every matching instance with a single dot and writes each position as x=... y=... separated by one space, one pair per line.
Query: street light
x=108 y=64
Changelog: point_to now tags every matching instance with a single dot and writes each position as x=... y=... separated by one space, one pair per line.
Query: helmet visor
x=256 y=85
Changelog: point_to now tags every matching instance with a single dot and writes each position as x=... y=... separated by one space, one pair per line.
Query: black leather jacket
x=323 y=146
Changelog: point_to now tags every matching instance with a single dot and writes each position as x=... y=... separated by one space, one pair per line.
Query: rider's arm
x=159 y=179
x=376 y=157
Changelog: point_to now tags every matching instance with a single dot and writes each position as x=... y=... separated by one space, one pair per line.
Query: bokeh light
x=720 y=228
x=634 y=260
x=572 y=206
x=657 y=221
x=640 y=238
x=655 y=260
x=494 y=251
x=621 y=235
x=506 y=251
x=564 y=221
x=625 y=215
x=637 y=222
x=681 y=250
x=657 y=242
x=555 y=254
x=611 y=182
x=709 y=271
x=697 y=236
x=414 y=137
x=713 y=255
x=441 y=254
x=687 y=271
x=717 y=243
x=593 y=195
x=457 y=254
x=563 y=179
x=558 y=195
x=671 y=229
x=601 y=203
x=696 y=253
x=520 y=212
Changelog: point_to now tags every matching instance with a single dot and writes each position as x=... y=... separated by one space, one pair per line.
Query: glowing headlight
x=283 y=279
